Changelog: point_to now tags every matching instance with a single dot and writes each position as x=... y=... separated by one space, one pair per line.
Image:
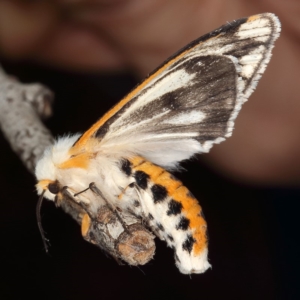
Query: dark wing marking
x=192 y=98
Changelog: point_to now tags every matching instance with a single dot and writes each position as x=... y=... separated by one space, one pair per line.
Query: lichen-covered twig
x=21 y=108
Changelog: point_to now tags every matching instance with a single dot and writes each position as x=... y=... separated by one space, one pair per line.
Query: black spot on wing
x=150 y=217
x=126 y=166
x=183 y=224
x=141 y=179
x=188 y=244
x=175 y=208
x=212 y=92
x=159 y=193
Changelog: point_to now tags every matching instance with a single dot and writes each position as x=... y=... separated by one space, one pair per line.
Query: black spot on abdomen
x=188 y=244
x=126 y=167
x=183 y=224
x=141 y=179
x=159 y=193
x=175 y=208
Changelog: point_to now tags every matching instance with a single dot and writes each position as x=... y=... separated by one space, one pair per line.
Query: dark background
x=254 y=232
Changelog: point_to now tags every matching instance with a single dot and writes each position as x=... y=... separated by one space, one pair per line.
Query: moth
x=183 y=108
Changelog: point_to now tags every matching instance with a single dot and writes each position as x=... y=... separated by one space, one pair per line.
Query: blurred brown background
x=91 y=53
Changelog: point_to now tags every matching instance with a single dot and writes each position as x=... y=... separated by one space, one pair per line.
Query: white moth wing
x=191 y=101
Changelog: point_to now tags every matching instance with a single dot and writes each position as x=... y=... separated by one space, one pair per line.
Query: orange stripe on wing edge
x=253 y=18
x=85 y=137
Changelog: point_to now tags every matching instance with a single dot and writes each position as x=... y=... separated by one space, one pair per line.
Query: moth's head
x=48 y=188
x=47 y=170
x=45 y=173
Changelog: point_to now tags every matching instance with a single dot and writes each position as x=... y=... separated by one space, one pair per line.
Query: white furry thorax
x=101 y=170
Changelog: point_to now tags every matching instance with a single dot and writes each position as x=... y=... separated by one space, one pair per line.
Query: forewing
x=192 y=100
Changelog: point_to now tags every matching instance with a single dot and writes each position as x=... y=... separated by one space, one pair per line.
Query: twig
x=21 y=107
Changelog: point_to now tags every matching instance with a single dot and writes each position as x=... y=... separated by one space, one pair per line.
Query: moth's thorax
x=77 y=170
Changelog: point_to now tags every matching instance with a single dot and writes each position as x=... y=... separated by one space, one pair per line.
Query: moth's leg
x=94 y=188
x=57 y=201
x=97 y=191
x=81 y=206
x=60 y=197
x=144 y=212
x=81 y=192
x=85 y=218
x=131 y=196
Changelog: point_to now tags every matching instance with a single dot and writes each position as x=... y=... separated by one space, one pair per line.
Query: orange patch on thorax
x=79 y=161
